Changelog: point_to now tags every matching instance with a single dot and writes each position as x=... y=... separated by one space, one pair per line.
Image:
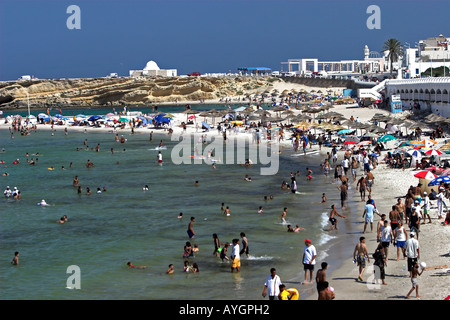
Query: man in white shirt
x=309 y=260
x=272 y=285
x=235 y=256
x=440 y=201
x=426 y=207
x=345 y=165
x=386 y=237
x=7 y=192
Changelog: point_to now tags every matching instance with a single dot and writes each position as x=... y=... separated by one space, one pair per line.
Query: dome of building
x=151 y=65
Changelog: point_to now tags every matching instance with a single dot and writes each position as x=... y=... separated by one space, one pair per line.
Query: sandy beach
x=389 y=184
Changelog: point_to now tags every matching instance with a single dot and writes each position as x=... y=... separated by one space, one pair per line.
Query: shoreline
x=390 y=183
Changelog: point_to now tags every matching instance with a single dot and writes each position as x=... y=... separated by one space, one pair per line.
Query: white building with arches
x=431 y=94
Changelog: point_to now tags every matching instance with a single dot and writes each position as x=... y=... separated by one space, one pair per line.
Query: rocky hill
x=124 y=90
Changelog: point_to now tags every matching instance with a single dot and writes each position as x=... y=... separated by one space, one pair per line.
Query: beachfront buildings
x=373 y=62
x=428 y=54
x=152 y=69
x=427 y=94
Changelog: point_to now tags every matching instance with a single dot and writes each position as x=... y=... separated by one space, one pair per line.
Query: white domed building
x=152 y=69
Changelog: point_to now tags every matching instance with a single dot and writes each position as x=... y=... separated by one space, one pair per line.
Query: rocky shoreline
x=101 y=92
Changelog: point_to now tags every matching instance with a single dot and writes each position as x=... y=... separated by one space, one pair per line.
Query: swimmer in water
x=227 y=211
x=15 y=260
x=283 y=215
x=130 y=265
x=324 y=198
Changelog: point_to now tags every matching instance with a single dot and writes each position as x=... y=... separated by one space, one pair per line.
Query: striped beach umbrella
x=434 y=182
x=425 y=174
x=433 y=152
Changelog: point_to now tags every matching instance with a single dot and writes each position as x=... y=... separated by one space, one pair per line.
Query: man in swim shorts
x=359 y=256
x=190 y=230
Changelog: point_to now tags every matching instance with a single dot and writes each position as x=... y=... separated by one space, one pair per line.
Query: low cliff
x=124 y=90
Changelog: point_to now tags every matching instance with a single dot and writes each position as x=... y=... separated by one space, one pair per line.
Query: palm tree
x=395 y=50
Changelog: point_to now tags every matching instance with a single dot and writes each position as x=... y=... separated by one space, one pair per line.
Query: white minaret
x=366 y=52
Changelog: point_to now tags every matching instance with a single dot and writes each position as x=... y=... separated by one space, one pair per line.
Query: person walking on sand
x=440 y=201
x=380 y=262
x=414 y=222
x=386 y=237
x=400 y=208
x=369 y=179
x=414 y=274
x=359 y=256
x=368 y=216
x=362 y=186
x=309 y=260
x=190 y=230
x=343 y=188
x=272 y=285
x=332 y=218
x=426 y=207
x=400 y=237
x=412 y=250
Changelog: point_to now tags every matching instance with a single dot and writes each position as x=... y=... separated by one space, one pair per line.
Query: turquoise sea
x=124 y=223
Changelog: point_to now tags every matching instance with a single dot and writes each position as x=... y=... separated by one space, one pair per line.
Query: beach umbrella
x=403 y=144
x=428 y=142
x=425 y=174
x=344 y=131
x=433 y=152
x=123 y=120
x=352 y=138
x=445 y=172
x=364 y=143
x=416 y=144
x=349 y=142
x=438 y=180
x=436 y=169
x=386 y=137
x=205 y=125
x=94 y=118
x=414 y=153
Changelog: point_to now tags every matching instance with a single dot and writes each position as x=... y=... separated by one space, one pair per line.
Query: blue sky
x=200 y=35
